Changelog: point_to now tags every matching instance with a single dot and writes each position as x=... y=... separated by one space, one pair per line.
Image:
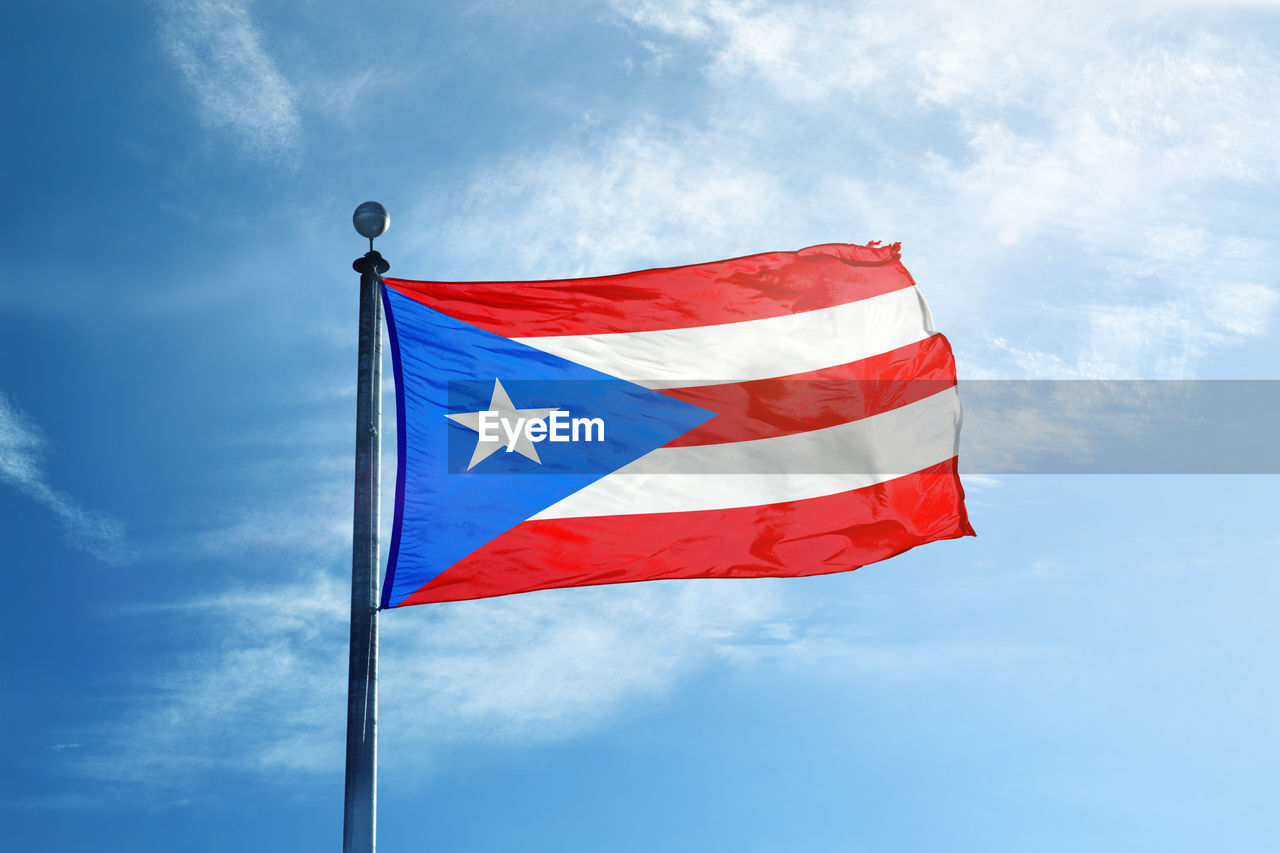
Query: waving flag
x=783 y=414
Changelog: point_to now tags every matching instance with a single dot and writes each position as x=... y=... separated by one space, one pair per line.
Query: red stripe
x=767 y=408
x=752 y=288
x=810 y=537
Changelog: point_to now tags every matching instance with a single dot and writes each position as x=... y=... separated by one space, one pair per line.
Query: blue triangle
x=444 y=366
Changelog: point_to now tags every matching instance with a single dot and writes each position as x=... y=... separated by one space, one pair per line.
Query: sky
x=1083 y=191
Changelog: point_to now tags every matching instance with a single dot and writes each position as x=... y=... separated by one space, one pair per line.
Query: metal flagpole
x=359 y=821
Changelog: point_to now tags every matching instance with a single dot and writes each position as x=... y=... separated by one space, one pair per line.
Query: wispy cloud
x=270 y=697
x=266 y=697
x=21 y=447
x=219 y=51
x=308 y=527
x=523 y=671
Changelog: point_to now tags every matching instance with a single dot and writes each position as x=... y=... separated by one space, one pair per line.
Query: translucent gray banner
x=818 y=429
x=1120 y=427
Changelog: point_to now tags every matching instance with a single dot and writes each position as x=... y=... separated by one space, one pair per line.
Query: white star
x=508 y=414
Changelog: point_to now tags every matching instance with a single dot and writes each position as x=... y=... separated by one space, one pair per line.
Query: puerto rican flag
x=782 y=414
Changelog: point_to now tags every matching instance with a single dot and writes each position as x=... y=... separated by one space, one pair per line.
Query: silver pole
x=359 y=824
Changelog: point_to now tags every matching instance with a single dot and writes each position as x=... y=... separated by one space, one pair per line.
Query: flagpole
x=359 y=822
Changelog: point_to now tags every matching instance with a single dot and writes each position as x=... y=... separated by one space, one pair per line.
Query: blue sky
x=1082 y=191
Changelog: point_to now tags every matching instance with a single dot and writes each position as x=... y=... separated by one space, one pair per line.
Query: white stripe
x=772 y=470
x=751 y=349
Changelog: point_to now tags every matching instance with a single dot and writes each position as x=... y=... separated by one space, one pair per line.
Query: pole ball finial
x=371 y=220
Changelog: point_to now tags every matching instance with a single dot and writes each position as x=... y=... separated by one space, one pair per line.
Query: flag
x=782 y=414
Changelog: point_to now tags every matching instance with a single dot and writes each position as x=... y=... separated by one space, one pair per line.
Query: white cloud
x=267 y=696
x=616 y=198
x=542 y=667
x=516 y=672
x=21 y=449
x=220 y=53
x=682 y=17
x=1128 y=143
